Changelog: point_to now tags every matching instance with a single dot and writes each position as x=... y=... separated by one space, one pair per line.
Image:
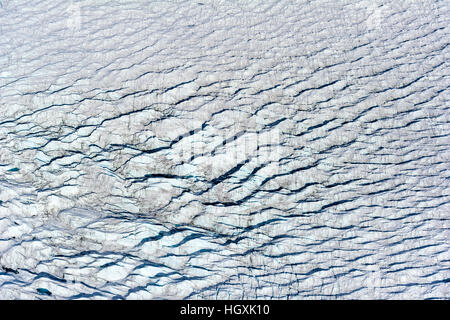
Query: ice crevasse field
x=224 y=149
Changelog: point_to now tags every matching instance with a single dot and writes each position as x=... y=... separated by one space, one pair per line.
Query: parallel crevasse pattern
x=224 y=149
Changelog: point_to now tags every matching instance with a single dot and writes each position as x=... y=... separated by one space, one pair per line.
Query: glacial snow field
x=224 y=149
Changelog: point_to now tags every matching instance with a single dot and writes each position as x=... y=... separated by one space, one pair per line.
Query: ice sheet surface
x=224 y=149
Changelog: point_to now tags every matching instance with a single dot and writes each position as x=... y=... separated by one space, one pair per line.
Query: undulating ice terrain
x=224 y=149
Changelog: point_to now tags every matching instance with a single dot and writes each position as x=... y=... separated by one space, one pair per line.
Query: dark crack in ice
x=224 y=150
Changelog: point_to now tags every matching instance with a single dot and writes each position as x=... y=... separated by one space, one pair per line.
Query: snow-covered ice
x=224 y=149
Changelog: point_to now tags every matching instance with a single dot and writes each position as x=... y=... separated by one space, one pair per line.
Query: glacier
x=224 y=149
